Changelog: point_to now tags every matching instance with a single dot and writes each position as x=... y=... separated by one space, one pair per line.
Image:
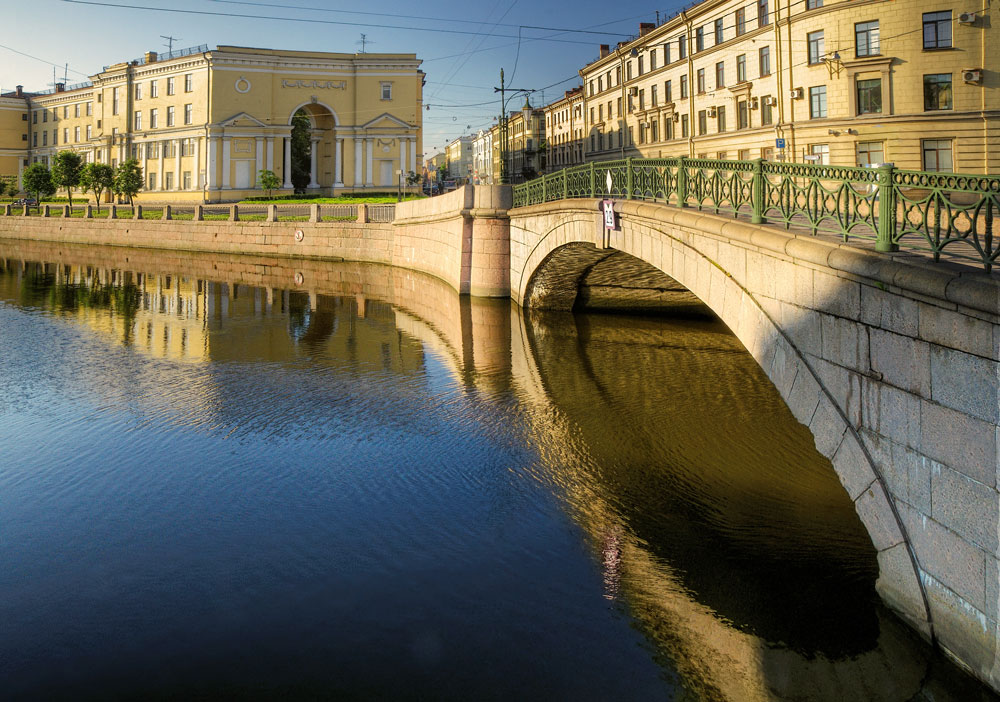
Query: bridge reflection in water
x=713 y=523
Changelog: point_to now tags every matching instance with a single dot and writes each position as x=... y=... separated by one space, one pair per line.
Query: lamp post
x=399 y=185
x=504 y=177
x=622 y=119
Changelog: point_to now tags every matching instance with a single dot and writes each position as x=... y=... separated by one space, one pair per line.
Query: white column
x=213 y=162
x=369 y=147
x=259 y=165
x=196 y=173
x=178 y=183
x=143 y=163
x=413 y=152
x=402 y=155
x=226 y=152
x=313 y=162
x=358 y=172
x=338 y=166
x=160 y=178
x=288 y=163
x=269 y=156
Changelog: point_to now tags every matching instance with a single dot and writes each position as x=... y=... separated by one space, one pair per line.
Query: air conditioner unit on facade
x=754 y=103
x=677 y=117
x=633 y=91
x=967 y=18
x=772 y=101
x=972 y=75
x=795 y=93
x=711 y=112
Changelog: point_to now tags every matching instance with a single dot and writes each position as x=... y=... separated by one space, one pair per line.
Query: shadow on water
x=709 y=522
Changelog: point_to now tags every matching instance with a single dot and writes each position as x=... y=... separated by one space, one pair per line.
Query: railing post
x=199 y=213
x=167 y=213
x=272 y=213
x=137 y=212
x=628 y=178
x=544 y=199
x=565 y=175
x=757 y=192
x=234 y=213
x=313 y=212
x=682 y=182
x=593 y=189
x=886 y=209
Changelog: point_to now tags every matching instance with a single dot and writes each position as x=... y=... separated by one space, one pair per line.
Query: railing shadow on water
x=932 y=213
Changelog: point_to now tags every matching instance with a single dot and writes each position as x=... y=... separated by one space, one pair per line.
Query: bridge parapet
x=943 y=214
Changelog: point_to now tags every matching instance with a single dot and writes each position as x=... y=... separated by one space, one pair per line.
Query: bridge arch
x=555 y=250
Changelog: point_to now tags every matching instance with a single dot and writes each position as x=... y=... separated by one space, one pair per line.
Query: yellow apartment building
x=848 y=82
x=564 y=129
x=203 y=123
x=13 y=138
x=458 y=153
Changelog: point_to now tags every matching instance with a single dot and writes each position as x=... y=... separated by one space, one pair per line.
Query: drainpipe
x=982 y=94
x=692 y=89
x=791 y=79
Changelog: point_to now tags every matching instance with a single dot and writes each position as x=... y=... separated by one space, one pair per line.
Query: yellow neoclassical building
x=849 y=82
x=204 y=122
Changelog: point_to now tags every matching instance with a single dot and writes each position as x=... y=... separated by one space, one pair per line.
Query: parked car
x=29 y=201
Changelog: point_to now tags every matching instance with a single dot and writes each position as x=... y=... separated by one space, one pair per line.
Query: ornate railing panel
x=924 y=211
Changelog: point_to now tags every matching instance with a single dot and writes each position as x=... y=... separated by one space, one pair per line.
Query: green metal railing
x=894 y=208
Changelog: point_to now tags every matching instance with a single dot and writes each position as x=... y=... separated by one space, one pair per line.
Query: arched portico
x=325 y=150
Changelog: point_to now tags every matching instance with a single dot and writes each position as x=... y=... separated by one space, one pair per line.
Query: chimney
x=645 y=28
x=60 y=87
x=149 y=57
x=605 y=50
x=19 y=91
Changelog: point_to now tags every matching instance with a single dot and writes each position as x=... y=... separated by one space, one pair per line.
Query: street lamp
x=504 y=178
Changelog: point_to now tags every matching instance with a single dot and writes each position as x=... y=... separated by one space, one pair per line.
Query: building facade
x=829 y=81
x=525 y=149
x=482 y=157
x=203 y=123
x=459 y=155
x=564 y=129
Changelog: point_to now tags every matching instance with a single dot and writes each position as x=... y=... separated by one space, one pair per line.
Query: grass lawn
x=344 y=200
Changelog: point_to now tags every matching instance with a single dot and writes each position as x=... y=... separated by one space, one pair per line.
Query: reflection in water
x=218 y=482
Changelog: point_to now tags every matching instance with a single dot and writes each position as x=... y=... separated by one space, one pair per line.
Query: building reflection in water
x=712 y=521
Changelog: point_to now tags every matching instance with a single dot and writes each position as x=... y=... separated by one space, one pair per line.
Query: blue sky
x=461 y=69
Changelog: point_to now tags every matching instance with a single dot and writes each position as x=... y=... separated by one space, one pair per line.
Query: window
x=652 y=63
x=188 y=83
x=741 y=21
x=684 y=87
x=765 y=61
x=34 y=118
x=90 y=109
x=937 y=30
x=742 y=115
x=701 y=80
x=870 y=153
x=153 y=89
x=186 y=180
x=66 y=135
x=718 y=31
x=628 y=70
x=153 y=119
x=114 y=101
x=138 y=120
x=721 y=156
x=89 y=132
x=763 y=19
x=666 y=54
x=668 y=127
x=815 y=41
x=45 y=138
x=866 y=39
x=720 y=74
x=741 y=68
x=152 y=182
x=168 y=180
x=170 y=86
x=652 y=95
x=45 y=115
x=668 y=92
x=152 y=150
x=592 y=120
x=76 y=110
x=590 y=88
x=65 y=111
x=682 y=47
x=699 y=39
x=642 y=132
x=188 y=110
x=138 y=91
x=937 y=91
x=685 y=129
x=76 y=135
x=870 y=96
x=820 y=153
x=702 y=122
x=817 y=102
x=600 y=113
x=642 y=65
x=743 y=154
x=813 y=4
x=34 y=139
x=937 y=155
x=387 y=91
x=600 y=84
x=720 y=113
x=653 y=129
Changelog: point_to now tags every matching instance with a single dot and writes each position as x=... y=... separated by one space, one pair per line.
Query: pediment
x=386 y=121
x=242 y=120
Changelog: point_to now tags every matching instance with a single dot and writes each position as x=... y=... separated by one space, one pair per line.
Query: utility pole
x=504 y=176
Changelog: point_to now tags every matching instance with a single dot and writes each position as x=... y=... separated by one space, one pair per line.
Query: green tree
x=3 y=187
x=66 y=172
x=267 y=180
x=37 y=179
x=96 y=178
x=413 y=178
x=128 y=179
x=301 y=150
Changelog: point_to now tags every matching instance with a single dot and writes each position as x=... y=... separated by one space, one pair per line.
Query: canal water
x=238 y=478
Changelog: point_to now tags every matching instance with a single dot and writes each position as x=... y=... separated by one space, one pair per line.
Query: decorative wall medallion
x=242 y=85
x=299 y=235
x=299 y=278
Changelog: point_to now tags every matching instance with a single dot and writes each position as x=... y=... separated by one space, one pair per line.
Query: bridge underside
x=581 y=276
